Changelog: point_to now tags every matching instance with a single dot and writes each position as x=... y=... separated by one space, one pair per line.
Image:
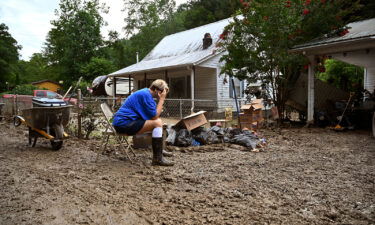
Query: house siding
x=205 y=83
x=224 y=99
x=212 y=62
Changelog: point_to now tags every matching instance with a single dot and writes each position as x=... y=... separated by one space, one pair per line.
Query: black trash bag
x=249 y=134
x=184 y=138
x=235 y=131
x=227 y=134
x=212 y=138
x=200 y=134
x=171 y=138
x=226 y=139
x=245 y=140
x=218 y=130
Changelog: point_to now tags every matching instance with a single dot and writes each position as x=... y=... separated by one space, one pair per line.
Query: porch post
x=114 y=92
x=311 y=90
x=192 y=78
x=130 y=85
x=145 y=78
x=166 y=76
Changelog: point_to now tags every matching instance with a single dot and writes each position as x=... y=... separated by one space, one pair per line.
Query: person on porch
x=140 y=114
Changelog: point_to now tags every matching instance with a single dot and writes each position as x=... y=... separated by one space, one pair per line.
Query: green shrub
x=24 y=89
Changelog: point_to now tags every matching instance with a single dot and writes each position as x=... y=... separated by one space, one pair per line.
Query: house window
x=239 y=86
x=179 y=87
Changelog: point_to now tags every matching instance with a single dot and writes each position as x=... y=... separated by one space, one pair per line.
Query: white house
x=189 y=62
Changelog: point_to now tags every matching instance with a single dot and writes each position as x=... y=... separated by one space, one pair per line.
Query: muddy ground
x=303 y=176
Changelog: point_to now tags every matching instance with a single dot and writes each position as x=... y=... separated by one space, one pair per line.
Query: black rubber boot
x=157 y=150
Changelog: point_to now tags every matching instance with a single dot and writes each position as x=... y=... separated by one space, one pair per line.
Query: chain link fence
x=173 y=108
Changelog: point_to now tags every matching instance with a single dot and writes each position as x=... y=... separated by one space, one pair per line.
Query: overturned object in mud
x=246 y=140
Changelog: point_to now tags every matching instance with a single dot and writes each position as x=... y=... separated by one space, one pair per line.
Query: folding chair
x=110 y=130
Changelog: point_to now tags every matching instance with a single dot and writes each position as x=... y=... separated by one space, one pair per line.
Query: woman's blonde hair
x=159 y=85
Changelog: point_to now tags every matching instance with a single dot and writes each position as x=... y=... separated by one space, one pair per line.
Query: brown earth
x=303 y=176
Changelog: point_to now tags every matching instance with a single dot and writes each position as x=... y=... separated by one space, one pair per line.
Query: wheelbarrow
x=45 y=122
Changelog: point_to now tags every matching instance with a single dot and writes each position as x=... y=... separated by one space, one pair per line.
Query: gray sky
x=29 y=21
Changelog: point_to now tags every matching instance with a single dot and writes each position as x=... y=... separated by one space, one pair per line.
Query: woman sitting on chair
x=140 y=114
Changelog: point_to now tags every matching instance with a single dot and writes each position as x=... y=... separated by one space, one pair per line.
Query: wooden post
x=311 y=90
x=166 y=76
x=79 y=101
x=130 y=85
x=144 y=80
x=192 y=79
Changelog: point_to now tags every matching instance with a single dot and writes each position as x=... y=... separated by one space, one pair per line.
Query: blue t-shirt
x=138 y=106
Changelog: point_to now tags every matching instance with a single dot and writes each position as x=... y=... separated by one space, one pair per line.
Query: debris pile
x=215 y=135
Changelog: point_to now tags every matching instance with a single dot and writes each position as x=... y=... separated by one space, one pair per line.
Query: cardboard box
x=257 y=116
x=193 y=121
x=256 y=104
x=246 y=118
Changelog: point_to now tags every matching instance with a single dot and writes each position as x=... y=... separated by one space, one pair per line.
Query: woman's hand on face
x=162 y=94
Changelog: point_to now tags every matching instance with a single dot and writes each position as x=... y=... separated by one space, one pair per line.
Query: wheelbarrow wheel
x=56 y=145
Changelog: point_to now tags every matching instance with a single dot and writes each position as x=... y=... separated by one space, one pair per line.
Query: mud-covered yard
x=304 y=176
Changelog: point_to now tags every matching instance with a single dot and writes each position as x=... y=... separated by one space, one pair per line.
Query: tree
x=342 y=75
x=75 y=37
x=257 y=42
x=35 y=69
x=146 y=24
x=97 y=67
x=24 y=89
x=201 y=12
x=8 y=55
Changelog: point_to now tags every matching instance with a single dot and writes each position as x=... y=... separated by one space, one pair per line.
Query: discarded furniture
x=122 y=139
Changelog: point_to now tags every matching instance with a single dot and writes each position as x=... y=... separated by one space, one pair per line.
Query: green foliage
x=75 y=37
x=257 y=42
x=342 y=75
x=8 y=55
x=97 y=67
x=146 y=15
x=35 y=69
x=24 y=89
x=147 y=22
x=201 y=12
x=89 y=119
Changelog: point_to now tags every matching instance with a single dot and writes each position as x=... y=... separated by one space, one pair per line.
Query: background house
x=47 y=84
x=190 y=62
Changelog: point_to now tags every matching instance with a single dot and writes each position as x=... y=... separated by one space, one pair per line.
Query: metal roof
x=180 y=49
x=364 y=29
